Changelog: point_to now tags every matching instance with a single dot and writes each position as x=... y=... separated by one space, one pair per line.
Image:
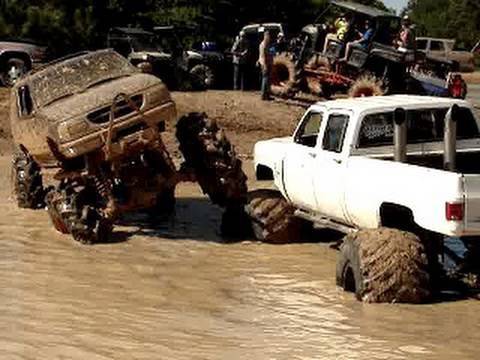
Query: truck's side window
x=25 y=104
x=422 y=44
x=335 y=132
x=307 y=134
x=425 y=125
x=436 y=46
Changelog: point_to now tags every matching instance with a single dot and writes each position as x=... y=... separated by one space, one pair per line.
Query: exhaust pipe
x=400 y=135
x=450 y=139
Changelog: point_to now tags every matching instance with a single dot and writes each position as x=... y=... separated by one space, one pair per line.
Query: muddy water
x=176 y=291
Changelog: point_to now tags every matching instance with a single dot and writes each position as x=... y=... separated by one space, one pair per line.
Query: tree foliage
x=458 y=19
x=67 y=25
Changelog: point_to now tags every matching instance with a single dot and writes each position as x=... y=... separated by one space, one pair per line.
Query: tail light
x=454 y=211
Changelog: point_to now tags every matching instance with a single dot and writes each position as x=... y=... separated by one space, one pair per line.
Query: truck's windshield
x=77 y=74
x=425 y=125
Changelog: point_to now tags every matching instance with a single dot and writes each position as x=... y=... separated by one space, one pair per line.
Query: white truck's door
x=329 y=179
x=299 y=162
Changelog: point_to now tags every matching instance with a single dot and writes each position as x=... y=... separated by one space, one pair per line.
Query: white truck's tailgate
x=472 y=203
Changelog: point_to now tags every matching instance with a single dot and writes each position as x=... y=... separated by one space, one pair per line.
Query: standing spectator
x=240 y=55
x=406 y=39
x=265 y=61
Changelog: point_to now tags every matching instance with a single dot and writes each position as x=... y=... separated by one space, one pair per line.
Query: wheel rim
x=14 y=73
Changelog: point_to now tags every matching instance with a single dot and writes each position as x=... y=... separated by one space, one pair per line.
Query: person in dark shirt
x=364 y=41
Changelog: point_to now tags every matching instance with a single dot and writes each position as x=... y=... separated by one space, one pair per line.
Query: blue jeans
x=265 y=83
x=238 y=77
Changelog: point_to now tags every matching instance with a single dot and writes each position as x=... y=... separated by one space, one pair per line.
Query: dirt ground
x=472 y=78
x=245 y=118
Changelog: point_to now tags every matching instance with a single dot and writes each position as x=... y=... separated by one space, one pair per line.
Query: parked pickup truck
x=338 y=171
x=444 y=49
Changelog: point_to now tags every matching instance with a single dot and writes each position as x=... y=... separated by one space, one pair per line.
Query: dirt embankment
x=243 y=115
x=472 y=78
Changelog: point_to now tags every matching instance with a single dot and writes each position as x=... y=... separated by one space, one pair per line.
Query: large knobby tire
x=14 y=69
x=314 y=82
x=27 y=181
x=384 y=266
x=209 y=153
x=285 y=78
x=272 y=217
x=366 y=86
x=204 y=75
x=72 y=210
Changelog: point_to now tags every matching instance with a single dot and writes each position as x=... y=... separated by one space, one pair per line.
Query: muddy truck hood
x=97 y=97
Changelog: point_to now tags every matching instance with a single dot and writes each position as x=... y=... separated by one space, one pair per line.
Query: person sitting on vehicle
x=342 y=25
x=362 y=43
x=406 y=38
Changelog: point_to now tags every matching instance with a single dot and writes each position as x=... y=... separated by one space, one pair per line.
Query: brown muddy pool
x=176 y=290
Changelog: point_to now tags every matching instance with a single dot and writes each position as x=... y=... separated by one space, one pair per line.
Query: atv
x=96 y=121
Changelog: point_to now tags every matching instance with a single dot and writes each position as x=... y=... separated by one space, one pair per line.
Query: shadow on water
x=198 y=219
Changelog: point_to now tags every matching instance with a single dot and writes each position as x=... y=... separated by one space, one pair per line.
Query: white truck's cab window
x=307 y=134
x=335 y=133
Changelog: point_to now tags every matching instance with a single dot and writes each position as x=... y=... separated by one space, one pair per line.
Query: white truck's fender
x=270 y=154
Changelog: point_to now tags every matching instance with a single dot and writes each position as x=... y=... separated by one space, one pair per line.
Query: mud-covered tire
x=236 y=223
x=204 y=75
x=384 y=266
x=313 y=82
x=365 y=86
x=285 y=77
x=165 y=203
x=209 y=153
x=72 y=211
x=272 y=217
x=27 y=181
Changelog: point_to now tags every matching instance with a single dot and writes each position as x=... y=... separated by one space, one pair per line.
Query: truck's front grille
x=102 y=115
x=129 y=130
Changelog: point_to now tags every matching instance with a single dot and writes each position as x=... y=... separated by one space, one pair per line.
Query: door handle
x=338 y=161
x=312 y=155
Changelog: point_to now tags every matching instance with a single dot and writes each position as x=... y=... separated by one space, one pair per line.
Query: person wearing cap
x=364 y=41
x=265 y=61
x=406 y=38
x=342 y=25
x=240 y=55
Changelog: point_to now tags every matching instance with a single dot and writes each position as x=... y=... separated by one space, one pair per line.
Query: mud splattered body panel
x=70 y=102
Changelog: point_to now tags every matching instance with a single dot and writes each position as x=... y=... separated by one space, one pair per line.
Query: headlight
x=145 y=57
x=63 y=133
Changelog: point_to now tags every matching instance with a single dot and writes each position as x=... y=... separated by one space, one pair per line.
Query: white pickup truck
x=338 y=171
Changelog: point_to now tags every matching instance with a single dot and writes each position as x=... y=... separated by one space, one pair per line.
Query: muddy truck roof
x=75 y=74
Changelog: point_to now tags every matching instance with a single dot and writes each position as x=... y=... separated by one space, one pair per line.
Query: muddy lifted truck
x=397 y=174
x=378 y=69
x=97 y=121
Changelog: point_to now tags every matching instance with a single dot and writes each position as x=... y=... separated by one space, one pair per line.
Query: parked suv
x=163 y=55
